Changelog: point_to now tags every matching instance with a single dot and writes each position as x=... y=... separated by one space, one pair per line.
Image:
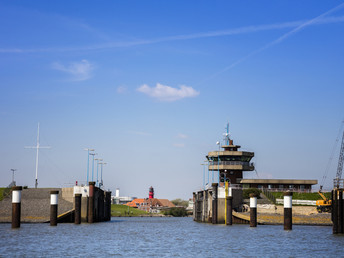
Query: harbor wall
x=203 y=201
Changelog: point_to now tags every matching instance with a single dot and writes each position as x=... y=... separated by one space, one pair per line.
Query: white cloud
x=80 y=71
x=121 y=89
x=167 y=93
x=179 y=145
x=139 y=133
x=182 y=136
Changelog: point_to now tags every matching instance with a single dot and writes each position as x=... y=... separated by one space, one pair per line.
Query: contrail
x=316 y=20
x=221 y=33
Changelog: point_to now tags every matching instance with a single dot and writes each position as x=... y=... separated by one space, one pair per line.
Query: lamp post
x=88 y=162
x=203 y=175
x=12 y=169
x=97 y=168
x=101 y=173
x=93 y=154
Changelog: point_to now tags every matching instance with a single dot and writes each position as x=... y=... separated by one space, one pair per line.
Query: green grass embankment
x=119 y=210
x=303 y=196
x=4 y=192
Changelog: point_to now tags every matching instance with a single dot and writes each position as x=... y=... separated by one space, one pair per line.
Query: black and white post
x=53 y=207
x=253 y=210
x=16 y=206
x=288 y=213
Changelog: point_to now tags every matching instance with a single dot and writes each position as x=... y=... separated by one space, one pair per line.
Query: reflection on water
x=167 y=237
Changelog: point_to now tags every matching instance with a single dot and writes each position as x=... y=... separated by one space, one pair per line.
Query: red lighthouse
x=151 y=192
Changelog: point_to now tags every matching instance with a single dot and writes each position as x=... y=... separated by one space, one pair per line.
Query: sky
x=151 y=85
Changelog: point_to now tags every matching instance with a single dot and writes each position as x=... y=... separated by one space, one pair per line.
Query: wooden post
x=77 y=202
x=253 y=210
x=288 y=211
x=340 y=211
x=91 y=202
x=53 y=207
x=214 y=203
x=229 y=220
x=107 y=206
x=16 y=206
x=334 y=212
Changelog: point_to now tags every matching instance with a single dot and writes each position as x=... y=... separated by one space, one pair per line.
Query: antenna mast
x=226 y=135
x=37 y=147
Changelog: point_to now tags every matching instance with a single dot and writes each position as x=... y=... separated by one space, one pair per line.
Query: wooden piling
x=214 y=203
x=107 y=206
x=229 y=220
x=16 y=206
x=77 y=202
x=288 y=212
x=91 y=218
x=53 y=207
x=340 y=211
x=253 y=210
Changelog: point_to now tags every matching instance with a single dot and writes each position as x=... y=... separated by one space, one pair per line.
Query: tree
x=180 y=202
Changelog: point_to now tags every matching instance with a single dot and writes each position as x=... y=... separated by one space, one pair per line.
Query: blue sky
x=150 y=85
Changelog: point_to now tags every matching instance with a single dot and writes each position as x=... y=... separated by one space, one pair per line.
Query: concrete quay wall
x=203 y=204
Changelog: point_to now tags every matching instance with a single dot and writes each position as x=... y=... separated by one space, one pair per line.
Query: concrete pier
x=16 y=206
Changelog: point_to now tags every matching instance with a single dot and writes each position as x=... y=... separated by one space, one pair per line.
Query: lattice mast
x=338 y=179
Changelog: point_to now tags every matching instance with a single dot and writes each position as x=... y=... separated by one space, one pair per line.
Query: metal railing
x=269 y=195
x=226 y=163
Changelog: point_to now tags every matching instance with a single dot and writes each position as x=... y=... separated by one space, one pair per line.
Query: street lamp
x=203 y=175
x=101 y=173
x=88 y=161
x=93 y=154
x=97 y=168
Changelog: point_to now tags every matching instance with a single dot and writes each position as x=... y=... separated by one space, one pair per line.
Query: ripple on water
x=165 y=237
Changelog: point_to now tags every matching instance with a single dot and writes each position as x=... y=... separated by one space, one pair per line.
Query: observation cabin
x=230 y=162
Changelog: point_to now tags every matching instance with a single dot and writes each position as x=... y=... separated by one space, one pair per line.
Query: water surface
x=166 y=237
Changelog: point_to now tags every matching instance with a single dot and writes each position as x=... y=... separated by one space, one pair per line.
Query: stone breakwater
x=35 y=205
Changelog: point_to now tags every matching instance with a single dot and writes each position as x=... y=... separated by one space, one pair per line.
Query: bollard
x=229 y=220
x=214 y=203
x=77 y=202
x=91 y=202
x=288 y=213
x=16 y=206
x=253 y=210
x=53 y=207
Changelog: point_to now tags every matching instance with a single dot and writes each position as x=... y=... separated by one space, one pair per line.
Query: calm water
x=165 y=237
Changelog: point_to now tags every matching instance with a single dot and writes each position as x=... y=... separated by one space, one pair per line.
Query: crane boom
x=340 y=164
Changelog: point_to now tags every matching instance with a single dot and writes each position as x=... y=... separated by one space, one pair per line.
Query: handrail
x=242 y=163
x=269 y=195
